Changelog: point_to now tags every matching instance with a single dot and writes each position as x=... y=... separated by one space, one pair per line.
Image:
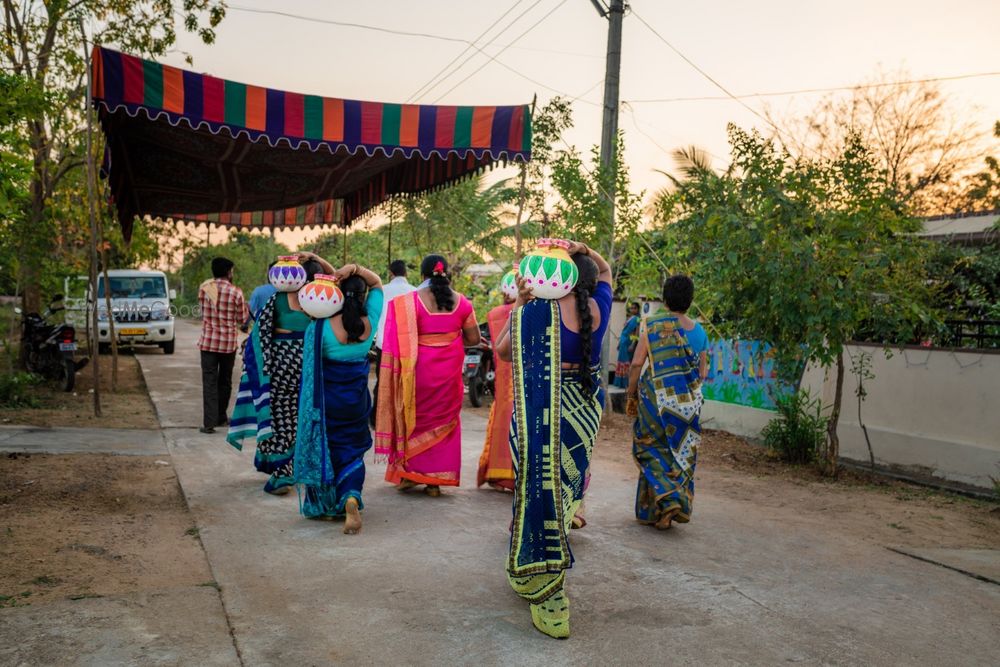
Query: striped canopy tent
x=197 y=148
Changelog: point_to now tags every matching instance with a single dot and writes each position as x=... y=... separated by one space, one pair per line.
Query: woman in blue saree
x=555 y=347
x=334 y=404
x=626 y=345
x=664 y=395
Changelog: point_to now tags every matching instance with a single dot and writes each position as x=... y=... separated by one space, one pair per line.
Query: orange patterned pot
x=322 y=297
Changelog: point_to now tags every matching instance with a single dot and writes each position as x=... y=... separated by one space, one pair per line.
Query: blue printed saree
x=668 y=430
x=333 y=433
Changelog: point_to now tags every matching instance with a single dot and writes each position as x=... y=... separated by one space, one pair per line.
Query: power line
x=803 y=91
x=404 y=33
x=434 y=82
x=493 y=58
x=712 y=79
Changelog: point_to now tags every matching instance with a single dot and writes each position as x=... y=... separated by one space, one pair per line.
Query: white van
x=140 y=303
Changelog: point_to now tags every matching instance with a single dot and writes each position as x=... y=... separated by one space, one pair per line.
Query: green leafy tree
x=41 y=46
x=983 y=192
x=802 y=254
x=250 y=253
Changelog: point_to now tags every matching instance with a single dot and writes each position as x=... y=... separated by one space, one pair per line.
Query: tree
x=983 y=191
x=800 y=253
x=250 y=253
x=41 y=45
x=923 y=145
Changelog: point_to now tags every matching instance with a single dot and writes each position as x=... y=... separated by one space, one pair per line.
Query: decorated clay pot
x=508 y=285
x=287 y=275
x=548 y=270
x=322 y=297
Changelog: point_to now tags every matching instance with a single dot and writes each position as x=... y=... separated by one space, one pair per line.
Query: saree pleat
x=552 y=437
x=667 y=431
x=333 y=434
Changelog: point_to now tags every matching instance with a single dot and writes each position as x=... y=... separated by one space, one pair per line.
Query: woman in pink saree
x=418 y=430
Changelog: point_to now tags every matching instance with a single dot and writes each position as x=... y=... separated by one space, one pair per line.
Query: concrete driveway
x=424 y=582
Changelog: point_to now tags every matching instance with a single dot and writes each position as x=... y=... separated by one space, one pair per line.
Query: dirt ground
x=129 y=407
x=90 y=525
x=877 y=508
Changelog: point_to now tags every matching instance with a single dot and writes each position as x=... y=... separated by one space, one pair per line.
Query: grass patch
x=211 y=584
x=16 y=390
x=192 y=531
x=45 y=580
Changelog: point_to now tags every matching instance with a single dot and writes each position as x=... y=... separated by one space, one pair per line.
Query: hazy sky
x=749 y=47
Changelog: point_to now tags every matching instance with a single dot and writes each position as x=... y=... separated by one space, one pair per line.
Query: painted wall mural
x=742 y=372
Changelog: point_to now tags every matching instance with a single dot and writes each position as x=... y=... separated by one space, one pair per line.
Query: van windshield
x=137 y=287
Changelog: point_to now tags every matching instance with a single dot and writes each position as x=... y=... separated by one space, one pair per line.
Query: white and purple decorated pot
x=287 y=275
x=322 y=297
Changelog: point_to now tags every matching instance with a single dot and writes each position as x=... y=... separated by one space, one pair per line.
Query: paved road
x=424 y=582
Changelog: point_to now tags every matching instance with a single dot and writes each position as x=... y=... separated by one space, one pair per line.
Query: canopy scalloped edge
x=406 y=152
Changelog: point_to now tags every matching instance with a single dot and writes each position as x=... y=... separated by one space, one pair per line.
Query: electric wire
x=433 y=81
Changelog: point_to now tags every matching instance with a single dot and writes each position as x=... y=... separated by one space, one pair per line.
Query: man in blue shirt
x=259 y=297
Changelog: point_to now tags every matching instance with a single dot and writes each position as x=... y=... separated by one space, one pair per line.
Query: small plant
x=15 y=390
x=798 y=433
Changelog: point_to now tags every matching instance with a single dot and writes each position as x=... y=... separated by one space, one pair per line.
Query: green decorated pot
x=508 y=285
x=548 y=270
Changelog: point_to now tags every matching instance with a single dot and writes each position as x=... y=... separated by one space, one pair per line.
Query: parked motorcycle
x=478 y=371
x=50 y=349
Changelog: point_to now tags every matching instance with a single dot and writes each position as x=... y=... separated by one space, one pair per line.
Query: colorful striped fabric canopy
x=194 y=147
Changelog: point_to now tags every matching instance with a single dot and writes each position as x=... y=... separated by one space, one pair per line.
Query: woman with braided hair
x=558 y=402
x=333 y=434
x=417 y=429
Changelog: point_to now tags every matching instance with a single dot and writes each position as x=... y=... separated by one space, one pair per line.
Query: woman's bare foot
x=352 y=523
x=433 y=491
x=405 y=485
x=666 y=521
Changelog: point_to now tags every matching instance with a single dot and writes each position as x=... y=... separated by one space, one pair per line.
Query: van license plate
x=67 y=347
x=133 y=332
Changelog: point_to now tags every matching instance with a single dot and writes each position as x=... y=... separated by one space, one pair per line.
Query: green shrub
x=798 y=433
x=15 y=390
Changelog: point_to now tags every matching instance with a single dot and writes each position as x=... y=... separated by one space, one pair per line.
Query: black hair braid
x=354 y=289
x=585 y=286
x=586 y=342
x=443 y=296
x=440 y=285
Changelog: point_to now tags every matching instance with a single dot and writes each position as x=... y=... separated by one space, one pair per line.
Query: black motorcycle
x=478 y=370
x=49 y=349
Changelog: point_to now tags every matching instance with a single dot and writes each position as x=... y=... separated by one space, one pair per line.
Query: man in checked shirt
x=223 y=310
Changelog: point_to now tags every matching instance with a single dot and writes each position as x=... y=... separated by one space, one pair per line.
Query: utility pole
x=615 y=13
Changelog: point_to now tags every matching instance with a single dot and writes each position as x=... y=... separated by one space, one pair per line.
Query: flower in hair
x=439 y=269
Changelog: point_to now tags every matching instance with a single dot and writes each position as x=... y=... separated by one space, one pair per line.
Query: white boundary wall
x=928 y=412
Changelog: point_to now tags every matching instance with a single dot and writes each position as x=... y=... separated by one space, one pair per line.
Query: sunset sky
x=766 y=46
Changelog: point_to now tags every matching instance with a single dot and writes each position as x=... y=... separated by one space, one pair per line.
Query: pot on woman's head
x=548 y=270
x=508 y=285
x=287 y=275
x=322 y=297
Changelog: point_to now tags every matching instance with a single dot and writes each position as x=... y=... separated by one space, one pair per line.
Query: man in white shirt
x=398 y=285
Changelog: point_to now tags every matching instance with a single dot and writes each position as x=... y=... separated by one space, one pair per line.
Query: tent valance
x=187 y=145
